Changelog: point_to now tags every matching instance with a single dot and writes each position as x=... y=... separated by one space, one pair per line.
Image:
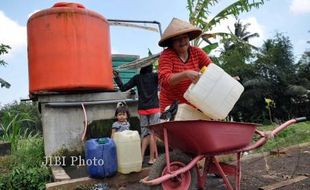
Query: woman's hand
x=192 y=75
x=115 y=73
x=237 y=78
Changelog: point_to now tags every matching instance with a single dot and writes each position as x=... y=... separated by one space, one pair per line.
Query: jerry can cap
x=102 y=140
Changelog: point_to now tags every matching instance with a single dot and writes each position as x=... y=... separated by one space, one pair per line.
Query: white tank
x=128 y=149
x=215 y=93
x=187 y=112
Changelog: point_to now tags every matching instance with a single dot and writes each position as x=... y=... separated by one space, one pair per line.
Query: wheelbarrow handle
x=265 y=135
x=288 y=123
x=302 y=119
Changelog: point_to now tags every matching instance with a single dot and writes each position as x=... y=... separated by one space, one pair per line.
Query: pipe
x=140 y=21
x=85 y=122
x=78 y=104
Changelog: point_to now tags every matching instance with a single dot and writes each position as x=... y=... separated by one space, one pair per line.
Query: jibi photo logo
x=71 y=161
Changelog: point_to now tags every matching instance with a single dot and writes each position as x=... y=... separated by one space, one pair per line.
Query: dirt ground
x=263 y=170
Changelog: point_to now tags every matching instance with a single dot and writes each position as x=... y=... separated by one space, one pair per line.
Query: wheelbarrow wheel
x=183 y=181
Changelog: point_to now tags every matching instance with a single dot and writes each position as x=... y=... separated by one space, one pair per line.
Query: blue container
x=101 y=157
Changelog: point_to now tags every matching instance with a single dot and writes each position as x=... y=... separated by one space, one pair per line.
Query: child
x=148 y=105
x=121 y=114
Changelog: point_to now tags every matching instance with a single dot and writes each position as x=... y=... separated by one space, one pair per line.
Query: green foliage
x=238 y=52
x=199 y=14
x=23 y=169
x=270 y=104
x=295 y=134
x=22 y=177
x=155 y=61
x=5 y=84
x=3 y=50
x=270 y=73
x=18 y=120
x=239 y=39
x=11 y=126
x=210 y=47
x=275 y=64
x=31 y=147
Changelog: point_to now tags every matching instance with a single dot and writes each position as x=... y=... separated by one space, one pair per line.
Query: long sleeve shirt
x=170 y=63
x=147 y=85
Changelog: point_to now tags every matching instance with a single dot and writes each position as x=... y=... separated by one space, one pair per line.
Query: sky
x=290 y=17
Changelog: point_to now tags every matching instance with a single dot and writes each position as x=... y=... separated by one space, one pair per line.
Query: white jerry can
x=215 y=93
x=128 y=150
x=187 y=112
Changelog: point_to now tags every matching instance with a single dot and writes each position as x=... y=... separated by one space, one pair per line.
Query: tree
x=240 y=35
x=237 y=51
x=277 y=78
x=4 y=50
x=273 y=76
x=302 y=88
x=199 y=16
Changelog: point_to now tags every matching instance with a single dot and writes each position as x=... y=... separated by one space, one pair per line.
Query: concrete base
x=63 y=117
x=59 y=174
x=115 y=181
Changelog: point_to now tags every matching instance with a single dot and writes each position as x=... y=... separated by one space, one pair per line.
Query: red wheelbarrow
x=195 y=140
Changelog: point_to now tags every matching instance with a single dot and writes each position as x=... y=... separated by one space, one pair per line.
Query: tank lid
x=71 y=5
x=61 y=7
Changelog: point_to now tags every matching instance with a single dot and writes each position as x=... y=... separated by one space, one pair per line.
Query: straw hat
x=176 y=28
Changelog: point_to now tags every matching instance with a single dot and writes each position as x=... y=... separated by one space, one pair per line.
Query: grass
x=23 y=169
x=293 y=135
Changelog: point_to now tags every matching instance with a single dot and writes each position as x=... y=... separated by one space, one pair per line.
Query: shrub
x=22 y=177
x=17 y=121
x=23 y=169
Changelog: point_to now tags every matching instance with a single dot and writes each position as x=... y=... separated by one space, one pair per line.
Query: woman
x=179 y=64
x=148 y=105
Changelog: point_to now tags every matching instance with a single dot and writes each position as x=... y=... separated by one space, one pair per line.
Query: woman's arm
x=124 y=87
x=188 y=74
x=168 y=78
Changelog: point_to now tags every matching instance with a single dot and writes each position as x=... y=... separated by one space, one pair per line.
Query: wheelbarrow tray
x=206 y=137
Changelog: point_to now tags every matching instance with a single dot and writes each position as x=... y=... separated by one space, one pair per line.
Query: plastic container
x=187 y=112
x=128 y=150
x=68 y=50
x=100 y=157
x=215 y=93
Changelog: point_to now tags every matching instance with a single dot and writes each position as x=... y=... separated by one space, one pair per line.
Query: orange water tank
x=68 y=50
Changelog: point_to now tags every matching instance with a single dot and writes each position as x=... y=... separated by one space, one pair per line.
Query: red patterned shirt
x=170 y=63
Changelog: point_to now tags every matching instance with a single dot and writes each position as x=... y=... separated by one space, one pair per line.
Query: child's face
x=121 y=117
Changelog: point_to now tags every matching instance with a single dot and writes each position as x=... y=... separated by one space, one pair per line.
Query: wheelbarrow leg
x=238 y=172
x=202 y=176
x=167 y=150
x=219 y=168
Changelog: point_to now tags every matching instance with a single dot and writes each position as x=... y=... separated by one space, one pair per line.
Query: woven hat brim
x=193 y=33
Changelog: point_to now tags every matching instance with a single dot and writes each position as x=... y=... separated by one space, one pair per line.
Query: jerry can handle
x=202 y=71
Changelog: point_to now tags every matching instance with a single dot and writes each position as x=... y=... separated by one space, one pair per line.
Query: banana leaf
x=210 y=47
